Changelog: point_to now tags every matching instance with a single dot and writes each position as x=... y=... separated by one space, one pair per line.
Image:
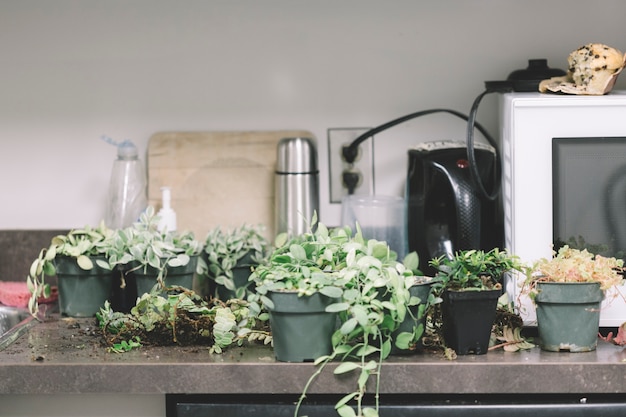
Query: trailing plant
x=225 y=250
x=143 y=245
x=180 y=318
x=307 y=263
x=81 y=244
x=373 y=298
x=375 y=301
x=575 y=265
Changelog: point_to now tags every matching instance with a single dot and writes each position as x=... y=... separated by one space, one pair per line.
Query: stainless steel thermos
x=297 y=185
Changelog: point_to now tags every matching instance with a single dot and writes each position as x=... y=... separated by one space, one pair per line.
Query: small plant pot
x=81 y=293
x=123 y=298
x=146 y=277
x=468 y=317
x=568 y=315
x=301 y=328
x=241 y=274
x=413 y=320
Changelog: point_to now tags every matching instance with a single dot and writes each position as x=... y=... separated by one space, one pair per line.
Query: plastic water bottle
x=127 y=190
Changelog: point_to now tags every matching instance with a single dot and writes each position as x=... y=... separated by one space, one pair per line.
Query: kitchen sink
x=13 y=323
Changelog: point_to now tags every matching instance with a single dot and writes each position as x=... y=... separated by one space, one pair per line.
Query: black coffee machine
x=445 y=211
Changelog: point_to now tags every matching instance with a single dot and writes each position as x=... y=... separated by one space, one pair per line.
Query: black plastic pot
x=301 y=328
x=468 y=317
x=568 y=315
x=146 y=276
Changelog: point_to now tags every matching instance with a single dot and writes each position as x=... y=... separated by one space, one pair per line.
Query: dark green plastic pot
x=468 y=317
x=568 y=315
x=241 y=274
x=301 y=328
x=146 y=276
x=82 y=293
x=421 y=291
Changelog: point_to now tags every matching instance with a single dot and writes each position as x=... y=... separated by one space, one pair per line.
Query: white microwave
x=564 y=182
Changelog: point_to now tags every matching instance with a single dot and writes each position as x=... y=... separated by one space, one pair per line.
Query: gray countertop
x=65 y=356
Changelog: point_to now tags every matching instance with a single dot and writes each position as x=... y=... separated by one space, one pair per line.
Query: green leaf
x=411 y=261
x=363 y=377
x=49 y=269
x=370 y=412
x=403 y=340
x=346 y=411
x=332 y=292
x=337 y=307
x=348 y=326
x=345 y=399
x=366 y=350
x=103 y=264
x=297 y=252
x=84 y=262
x=360 y=314
x=346 y=367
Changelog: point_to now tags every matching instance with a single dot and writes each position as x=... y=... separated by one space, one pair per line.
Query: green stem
x=319 y=370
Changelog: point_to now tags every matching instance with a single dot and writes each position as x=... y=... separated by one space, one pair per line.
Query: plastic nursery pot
x=421 y=291
x=568 y=315
x=123 y=299
x=146 y=277
x=241 y=274
x=301 y=328
x=81 y=293
x=468 y=317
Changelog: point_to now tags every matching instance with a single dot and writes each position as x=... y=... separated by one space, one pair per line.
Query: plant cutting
x=78 y=260
x=155 y=257
x=567 y=290
x=470 y=283
x=180 y=317
x=369 y=292
x=229 y=258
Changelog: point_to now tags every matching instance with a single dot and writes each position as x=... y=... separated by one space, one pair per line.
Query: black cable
x=471 y=157
x=350 y=152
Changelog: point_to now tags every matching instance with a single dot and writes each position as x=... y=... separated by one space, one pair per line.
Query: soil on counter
x=78 y=340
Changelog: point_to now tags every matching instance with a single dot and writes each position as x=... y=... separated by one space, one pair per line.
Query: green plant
x=225 y=250
x=143 y=245
x=474 y=269
x=376 y=299
x=372 y=289
x=181 y=317
x=80 y=244
x=575 y=265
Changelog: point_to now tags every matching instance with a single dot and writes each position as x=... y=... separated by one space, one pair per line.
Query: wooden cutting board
x=221 y=179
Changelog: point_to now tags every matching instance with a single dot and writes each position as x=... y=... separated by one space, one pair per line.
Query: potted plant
x=296 y=284
x=153 y=256
x=567 y=290
x=378 y=312
x=229 y=257
x=367 y=290
x=78 y=261
x=470 y=283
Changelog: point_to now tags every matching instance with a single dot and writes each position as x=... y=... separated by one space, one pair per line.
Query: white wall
x=73 y=70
